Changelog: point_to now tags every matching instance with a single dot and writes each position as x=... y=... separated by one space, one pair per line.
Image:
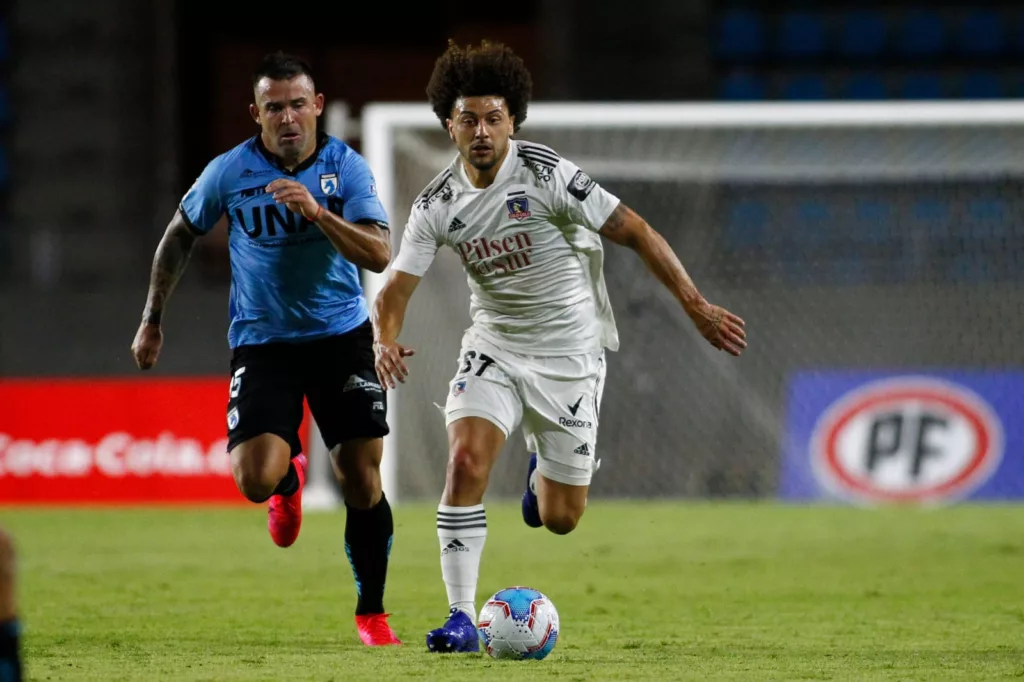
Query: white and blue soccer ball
x=518 y=623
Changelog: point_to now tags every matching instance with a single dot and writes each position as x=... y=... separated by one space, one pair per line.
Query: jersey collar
x=275 y=161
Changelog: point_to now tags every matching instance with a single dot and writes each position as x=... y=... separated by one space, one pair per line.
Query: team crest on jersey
x=329 y=183
x=518 y=206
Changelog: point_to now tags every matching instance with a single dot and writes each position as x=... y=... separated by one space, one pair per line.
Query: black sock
x=368 y=535
x=290 y=483
x=10 y=653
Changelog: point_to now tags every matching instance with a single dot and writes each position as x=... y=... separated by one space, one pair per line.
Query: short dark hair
x=490 y=69
x=279 y=66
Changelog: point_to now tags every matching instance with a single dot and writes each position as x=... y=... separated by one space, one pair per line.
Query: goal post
x=846 y=234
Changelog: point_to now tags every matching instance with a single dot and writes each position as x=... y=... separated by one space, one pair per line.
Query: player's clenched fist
x=146 y=346
x=722 y=329
x=295 y=196
x=390 y=367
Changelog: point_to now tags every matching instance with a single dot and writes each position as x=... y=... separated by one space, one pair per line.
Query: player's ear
x=254 y=112
x=318 y=103
x=451 y=134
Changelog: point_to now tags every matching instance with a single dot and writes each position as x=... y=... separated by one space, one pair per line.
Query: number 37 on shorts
x=556 y=399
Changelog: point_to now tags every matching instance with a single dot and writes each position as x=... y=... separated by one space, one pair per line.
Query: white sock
x=461 y=532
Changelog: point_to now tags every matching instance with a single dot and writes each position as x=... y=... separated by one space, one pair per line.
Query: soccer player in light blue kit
x=303 y=217
x=10 y=629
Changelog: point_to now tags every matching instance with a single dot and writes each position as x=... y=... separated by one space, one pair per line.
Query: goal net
x=846 y=235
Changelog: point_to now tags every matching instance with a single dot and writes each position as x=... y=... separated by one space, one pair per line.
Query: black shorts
x=335 y=375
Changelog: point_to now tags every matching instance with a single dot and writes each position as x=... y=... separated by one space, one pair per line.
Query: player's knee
x=6 y=554
x=360 y=483
x=467 y=466
x=562 y=521
x=257 y=473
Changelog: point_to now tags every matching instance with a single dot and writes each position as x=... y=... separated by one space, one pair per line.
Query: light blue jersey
x=288 y=283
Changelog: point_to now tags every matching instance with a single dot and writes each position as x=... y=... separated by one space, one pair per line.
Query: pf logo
x=906 y=440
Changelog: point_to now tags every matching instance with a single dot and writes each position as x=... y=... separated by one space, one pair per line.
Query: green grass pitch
x=658 y=591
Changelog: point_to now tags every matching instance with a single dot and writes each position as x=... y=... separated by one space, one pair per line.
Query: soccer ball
x=518 y=623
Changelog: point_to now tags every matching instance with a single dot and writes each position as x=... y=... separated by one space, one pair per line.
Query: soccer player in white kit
x=527 y=225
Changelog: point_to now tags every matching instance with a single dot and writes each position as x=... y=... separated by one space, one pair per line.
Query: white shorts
x=555 y=399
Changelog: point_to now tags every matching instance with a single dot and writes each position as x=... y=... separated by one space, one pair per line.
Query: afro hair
x=489 y=69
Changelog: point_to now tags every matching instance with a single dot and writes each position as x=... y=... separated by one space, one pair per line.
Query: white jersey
x=531 y=250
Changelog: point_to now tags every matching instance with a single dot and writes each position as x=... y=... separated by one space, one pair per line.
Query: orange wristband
x=319 y=209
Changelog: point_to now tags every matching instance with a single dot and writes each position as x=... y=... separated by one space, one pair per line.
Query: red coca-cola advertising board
x=116 y=441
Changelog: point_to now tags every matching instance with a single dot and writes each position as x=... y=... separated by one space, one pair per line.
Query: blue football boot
x=458 y=635
x=531 y=510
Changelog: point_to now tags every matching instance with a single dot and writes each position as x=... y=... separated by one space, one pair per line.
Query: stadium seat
x=864 y=86
x=740 y=35
x=801 y=34
x=981 y=85
x=813 y=222
x=933 y=216
x=873 y=222
x=922 y=34
x=987 y=219
x=742 y=86
x=980 y=34
x=805 y=87
x=922 y=86
x=863 y=35
x=747 y=222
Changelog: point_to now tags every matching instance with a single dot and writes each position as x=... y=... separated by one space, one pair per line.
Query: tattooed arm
x=720 y=327
x=172 y=255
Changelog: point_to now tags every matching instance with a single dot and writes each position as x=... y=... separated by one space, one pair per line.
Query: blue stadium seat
x=801 y=34
x=874 y=224
x=987 y=218
x=923 y=34
x=933 y=215
x=981 y=85
x=981 y=34
x=805 y=87
x=923 y=86
x=748 y=220
x=813 y=222
x=864 y=86
x=740 y=35
x=863 y=35
x=742 y=86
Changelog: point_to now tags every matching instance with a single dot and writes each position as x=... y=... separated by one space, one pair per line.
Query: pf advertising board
x=890 y=438
x=115 y=441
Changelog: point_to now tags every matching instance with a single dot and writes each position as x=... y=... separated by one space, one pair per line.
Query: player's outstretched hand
x=295 y=196
x=390 y=367
x=146 y=346
x=722 y=329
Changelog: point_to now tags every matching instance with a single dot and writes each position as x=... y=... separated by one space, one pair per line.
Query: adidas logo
x=454 y=546
x=456 y=224
x=583 y=450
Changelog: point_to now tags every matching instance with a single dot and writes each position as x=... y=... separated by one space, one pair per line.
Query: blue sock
x=10 y=654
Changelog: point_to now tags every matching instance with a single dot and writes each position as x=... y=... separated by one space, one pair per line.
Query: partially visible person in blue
x=10 y=631
x=303 y=218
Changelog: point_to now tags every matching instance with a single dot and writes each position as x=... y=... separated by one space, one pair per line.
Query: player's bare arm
x=169 y=261
x=367 y=246
x=723 y=330
x=388 y=315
